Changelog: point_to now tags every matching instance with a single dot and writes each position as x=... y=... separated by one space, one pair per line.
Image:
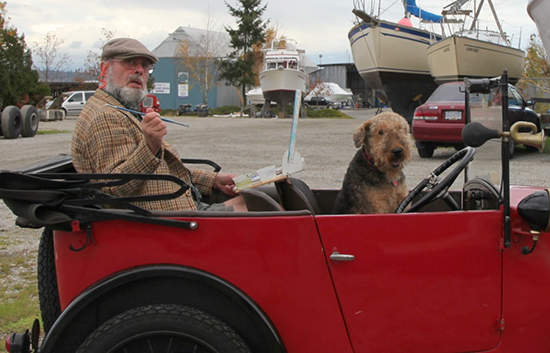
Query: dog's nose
x=397 y=152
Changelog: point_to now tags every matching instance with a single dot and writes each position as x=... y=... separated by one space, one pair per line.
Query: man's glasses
x=132 y=63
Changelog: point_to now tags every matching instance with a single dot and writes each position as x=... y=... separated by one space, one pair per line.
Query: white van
x=73 y=104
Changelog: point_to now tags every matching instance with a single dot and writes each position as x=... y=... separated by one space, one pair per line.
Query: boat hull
x=280 y=85
x=455 y=57
x=539 y=10
x=391 y=58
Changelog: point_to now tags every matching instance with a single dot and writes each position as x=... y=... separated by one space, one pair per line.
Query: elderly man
x=108 y=140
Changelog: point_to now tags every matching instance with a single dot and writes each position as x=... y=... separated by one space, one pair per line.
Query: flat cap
x=125 y=48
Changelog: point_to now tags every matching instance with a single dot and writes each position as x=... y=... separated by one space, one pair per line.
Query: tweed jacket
x=107 y=140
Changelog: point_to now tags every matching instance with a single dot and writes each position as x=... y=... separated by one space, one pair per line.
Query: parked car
x=460 y=272
x=321 y=102
x=74 y=101
x=439 y=121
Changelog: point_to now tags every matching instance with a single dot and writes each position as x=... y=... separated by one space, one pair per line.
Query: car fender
x=162 y=284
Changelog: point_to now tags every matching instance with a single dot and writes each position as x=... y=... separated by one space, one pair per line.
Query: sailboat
x=473 y=52
x=391 y=57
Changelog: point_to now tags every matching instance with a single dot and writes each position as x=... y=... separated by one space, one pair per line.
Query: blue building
x=174 y=84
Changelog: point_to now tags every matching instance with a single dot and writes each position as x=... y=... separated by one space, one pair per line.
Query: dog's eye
x=381 y=132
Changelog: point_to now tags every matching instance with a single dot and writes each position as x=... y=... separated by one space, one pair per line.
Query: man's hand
x=225 y=183
x=154 y=130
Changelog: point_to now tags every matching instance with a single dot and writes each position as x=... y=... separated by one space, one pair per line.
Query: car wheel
x=11 y=122
x=425 y=150
x=164 y=328
x=48 y=294
x=512 y=147
x=30 y=121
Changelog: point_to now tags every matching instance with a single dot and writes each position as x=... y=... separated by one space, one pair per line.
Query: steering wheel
x=439 y=189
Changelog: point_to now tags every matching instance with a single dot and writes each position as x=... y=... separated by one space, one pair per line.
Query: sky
x=319 y=26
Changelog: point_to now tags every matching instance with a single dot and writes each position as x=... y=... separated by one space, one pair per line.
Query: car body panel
x=443 y=281
x=277 y=261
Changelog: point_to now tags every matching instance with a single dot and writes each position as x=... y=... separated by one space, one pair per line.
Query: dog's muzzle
x=397 y=152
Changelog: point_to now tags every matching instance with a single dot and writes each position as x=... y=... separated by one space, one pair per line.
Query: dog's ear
x=360 y=134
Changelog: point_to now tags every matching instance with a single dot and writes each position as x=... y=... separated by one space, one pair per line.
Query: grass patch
x=311 y=113
x=19 y=305
x=49 y=132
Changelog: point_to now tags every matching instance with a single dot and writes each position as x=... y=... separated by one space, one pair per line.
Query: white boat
x=539 y=11
x=474 y=53
x=391 y=57
x=255 y=96
x=329 y=90
x=283 y=71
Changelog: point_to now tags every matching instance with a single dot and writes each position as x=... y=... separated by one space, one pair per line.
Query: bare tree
x=50 y=59
x=200 y=58
x=93 y=59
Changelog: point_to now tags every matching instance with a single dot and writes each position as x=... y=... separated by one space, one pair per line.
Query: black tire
x=512 y=147
x=164 y=328
x=425 y=150
x=48 y=294
x=11 y=122
x=30 y=121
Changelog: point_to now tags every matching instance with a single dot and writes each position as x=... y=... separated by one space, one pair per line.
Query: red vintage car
x=464 y=270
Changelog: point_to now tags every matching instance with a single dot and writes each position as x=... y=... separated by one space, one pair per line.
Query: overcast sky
x=319 y=26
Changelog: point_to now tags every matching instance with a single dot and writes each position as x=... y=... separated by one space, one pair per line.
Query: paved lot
x=241 y=145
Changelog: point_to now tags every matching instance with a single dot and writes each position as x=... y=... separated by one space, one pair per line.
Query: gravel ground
x=241 y=145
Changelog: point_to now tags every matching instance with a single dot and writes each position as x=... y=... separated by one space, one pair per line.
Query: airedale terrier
x=374 y=181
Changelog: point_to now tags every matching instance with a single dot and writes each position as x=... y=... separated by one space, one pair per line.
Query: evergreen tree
x=251 y=31
x=17 y=78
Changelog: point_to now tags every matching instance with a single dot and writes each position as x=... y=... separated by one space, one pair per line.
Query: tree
x=536 y=72
x=93 y=59
x=17 y=78
x=51 y=60
x=201 y=57
x=238 y=70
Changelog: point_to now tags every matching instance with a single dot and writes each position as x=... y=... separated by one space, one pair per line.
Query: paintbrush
x=141 y=113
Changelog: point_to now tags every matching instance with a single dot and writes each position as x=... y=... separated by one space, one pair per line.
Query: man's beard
x=129 y=97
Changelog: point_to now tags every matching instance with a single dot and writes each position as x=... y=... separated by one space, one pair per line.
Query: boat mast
x=501 y=32
x=498 y=22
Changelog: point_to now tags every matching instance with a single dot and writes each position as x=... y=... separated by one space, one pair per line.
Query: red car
x=439 y=121
x=450 y=271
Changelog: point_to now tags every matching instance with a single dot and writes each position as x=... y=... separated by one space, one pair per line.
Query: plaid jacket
x=107 y=140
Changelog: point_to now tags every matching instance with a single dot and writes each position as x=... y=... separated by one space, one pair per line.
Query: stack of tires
x=15 y=122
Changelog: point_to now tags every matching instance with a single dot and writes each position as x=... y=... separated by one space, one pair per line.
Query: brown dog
x=374 y=181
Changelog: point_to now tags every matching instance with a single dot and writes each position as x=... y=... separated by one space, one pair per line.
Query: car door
x=74 y=103
x=425 y=282
x=516 y=106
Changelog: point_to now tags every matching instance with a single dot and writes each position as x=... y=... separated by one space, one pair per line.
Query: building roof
x=219 y=42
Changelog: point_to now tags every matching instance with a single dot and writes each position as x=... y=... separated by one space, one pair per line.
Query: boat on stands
x=473 y=52
x=539 y=11
x=283 y=72
x=391 y=56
